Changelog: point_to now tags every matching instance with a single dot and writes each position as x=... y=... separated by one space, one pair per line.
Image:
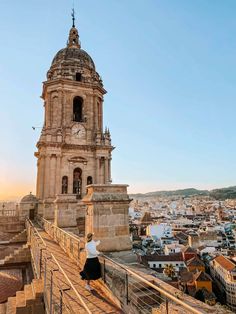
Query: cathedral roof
x=75 y=55
x=29 y=198
x=72 y=60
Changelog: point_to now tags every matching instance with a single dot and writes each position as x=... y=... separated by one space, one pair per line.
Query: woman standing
x=92 y=267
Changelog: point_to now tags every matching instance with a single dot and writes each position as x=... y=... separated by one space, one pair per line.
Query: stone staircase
x=20 y=237
x=28 y=301
x=20 y=255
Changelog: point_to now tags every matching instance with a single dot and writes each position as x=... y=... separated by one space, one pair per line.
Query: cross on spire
x=73 y=17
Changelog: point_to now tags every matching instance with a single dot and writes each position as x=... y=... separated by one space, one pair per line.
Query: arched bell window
x=78 y=109
x=89 y=180
x=64 y=185
x=77 y=182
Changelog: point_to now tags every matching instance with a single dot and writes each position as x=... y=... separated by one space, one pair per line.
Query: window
x=154 y=265
x=78 y=77
x=77 y=182
x=160 y=265
x=89 y=180
x=64 y=185
x=78 y=109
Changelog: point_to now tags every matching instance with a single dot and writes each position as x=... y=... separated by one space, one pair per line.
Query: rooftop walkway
x=95 y=300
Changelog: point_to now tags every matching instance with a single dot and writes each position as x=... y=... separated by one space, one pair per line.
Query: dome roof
x=75 y=55
x=29 y=199
x=72 y=61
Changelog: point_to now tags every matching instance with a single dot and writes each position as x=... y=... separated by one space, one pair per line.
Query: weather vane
x=73 y=16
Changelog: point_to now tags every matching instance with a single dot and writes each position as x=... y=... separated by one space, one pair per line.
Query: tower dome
x=73 y=63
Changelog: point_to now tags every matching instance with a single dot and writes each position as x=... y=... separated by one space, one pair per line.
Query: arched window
x=78 y=109
x=89 y=180
x=77 y=182
x=64 y=185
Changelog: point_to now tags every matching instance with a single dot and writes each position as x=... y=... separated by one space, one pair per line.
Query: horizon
x=169 y=70
x=18 y=198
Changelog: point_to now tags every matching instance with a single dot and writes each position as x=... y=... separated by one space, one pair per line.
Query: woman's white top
x=91 y=250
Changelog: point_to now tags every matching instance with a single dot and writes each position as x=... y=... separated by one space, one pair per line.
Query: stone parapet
x=107 y=216
x=65 y=211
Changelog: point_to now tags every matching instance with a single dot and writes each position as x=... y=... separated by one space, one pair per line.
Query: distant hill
x=218 y=194
x=183 y=192
x=225 y=193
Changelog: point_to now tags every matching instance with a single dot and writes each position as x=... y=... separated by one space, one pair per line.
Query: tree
x=169 y=271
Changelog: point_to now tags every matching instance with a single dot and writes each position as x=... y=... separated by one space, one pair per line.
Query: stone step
x=11 y=305
x=3 y=308
x=29 y=295
x=37 y=288
x=20 y=300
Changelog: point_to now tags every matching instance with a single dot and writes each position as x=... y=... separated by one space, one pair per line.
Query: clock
x=78 y=131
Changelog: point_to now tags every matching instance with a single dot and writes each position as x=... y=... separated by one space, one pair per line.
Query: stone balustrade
x=69 y=242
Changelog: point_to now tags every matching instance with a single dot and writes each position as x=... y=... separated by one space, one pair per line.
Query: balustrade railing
x=8 y=213
x=60 y=295
x=69 y=242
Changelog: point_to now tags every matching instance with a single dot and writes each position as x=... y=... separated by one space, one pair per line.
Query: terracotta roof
x=194 y=261
x=162 y=258
x=201 y=276
x=9 y=284
x=225 y=263
x=202 y=247
x=188 y=249
x=181 y=235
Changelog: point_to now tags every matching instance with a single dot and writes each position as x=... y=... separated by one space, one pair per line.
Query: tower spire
x=73 y=40
x=73 y=16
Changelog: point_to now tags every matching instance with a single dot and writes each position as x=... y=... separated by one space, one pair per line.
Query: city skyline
x=169 y=73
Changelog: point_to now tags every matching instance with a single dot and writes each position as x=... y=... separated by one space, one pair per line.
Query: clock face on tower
x=78 y=132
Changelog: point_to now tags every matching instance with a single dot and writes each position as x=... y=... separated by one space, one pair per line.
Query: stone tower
x=74 y=153
x=73 y=149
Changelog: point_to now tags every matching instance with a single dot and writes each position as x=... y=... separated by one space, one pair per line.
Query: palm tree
x=169 y=271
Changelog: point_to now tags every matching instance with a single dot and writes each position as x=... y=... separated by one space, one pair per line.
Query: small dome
x=30 y=198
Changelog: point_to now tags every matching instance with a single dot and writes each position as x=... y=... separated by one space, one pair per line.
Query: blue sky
x=169 y=69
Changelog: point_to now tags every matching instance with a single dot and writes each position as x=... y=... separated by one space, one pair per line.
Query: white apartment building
x=224 y=271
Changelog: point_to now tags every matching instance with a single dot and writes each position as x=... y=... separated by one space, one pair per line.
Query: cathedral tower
x=73 y=149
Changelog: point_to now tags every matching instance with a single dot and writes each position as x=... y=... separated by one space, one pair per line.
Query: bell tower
x=74 y=150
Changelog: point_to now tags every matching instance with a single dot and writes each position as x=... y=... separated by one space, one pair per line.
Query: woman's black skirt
x=92 y=269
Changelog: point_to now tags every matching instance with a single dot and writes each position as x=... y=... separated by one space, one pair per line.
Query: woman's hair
x=89 y=237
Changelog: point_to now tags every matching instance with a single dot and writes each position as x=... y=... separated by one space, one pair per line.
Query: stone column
x=106 y=176
x=58 y=175
x=41 y=177
x=38 y=176
x=97 y=160
x=107 y=216
x=109 y=170
x=95 y=117
x=46 y=177
x=52 y=179
x=70 y=179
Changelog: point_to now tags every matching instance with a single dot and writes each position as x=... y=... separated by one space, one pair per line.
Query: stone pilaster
x=65 y=211
x=107 y=216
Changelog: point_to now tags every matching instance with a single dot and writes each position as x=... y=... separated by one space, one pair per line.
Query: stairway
x=28 y=301
x=20 y=237
x=20 y=255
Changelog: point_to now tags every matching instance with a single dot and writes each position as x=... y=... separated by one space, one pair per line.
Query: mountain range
x=218 y=194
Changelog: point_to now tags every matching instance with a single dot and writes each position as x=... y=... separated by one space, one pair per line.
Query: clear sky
x=168 y=66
